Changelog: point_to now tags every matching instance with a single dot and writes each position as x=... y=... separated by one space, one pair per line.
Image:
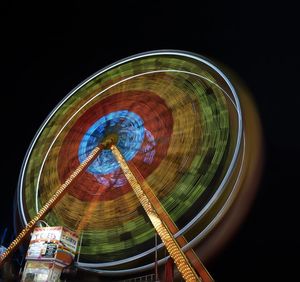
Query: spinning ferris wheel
x=158 y=142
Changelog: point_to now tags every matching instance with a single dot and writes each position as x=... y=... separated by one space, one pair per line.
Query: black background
x=47 y=50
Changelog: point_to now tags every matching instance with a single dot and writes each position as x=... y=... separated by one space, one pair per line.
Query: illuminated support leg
x=165 y=217
x=182 y=263
x=53 y=200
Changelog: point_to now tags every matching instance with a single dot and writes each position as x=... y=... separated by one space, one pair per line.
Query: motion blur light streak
x=177 y=118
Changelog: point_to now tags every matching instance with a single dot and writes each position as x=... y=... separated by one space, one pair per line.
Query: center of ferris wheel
x=109 y=140
x=125 y=129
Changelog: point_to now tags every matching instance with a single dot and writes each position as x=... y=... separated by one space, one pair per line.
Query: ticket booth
x=50 y=250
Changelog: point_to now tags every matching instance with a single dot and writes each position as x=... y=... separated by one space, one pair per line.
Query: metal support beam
x=181 y=261
x=51 y=203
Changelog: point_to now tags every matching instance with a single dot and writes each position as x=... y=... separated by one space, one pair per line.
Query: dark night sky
x=45 y=53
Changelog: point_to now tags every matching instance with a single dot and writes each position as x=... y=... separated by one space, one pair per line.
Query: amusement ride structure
x=161 y=142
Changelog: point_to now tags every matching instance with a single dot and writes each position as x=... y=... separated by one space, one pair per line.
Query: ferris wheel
x=161 y=142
